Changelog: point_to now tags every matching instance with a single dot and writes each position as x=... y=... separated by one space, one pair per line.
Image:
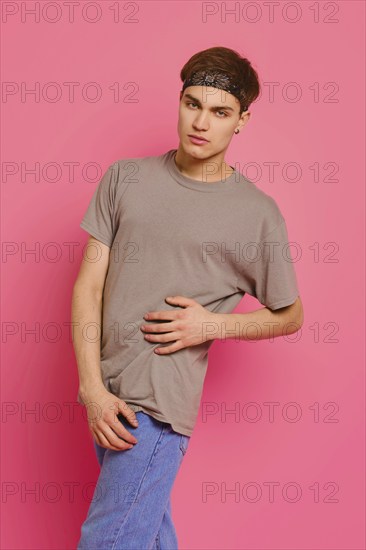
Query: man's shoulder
x=138 y=161
x=261 y=202
x=132 y=170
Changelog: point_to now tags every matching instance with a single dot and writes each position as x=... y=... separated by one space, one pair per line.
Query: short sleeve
x=98 y=219
x=269 y=274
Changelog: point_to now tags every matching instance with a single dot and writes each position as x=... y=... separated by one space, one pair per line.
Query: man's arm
x=195 y=324
x=87 y=303
x=261 y=324
x=87 y=300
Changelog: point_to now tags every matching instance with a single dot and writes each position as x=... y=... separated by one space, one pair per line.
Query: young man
x=176 y=240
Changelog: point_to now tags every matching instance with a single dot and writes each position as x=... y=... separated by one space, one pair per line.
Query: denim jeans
x=131 y=507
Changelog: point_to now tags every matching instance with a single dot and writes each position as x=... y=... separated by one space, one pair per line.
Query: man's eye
x=224 y=114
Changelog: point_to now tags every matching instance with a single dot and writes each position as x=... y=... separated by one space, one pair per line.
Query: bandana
x=216 y=79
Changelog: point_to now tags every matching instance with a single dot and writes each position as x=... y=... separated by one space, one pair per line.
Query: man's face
x=210 y=113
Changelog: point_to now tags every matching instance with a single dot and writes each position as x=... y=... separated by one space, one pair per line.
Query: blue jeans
x=131 y=507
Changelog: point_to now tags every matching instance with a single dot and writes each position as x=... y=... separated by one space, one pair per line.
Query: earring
x=236 y=131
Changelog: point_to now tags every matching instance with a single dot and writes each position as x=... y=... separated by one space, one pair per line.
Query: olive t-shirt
x=173 y=235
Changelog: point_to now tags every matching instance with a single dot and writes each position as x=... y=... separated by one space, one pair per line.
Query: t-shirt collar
x=228 y=184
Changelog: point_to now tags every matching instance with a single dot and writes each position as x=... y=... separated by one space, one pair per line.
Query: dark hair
x=230 y=62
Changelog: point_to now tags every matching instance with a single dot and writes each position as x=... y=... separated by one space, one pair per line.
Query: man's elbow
x=295 y=316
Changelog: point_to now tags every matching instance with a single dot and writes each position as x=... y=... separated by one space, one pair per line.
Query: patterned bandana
x=216 y=79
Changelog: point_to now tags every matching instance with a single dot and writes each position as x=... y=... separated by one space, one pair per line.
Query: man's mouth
x=197 y=139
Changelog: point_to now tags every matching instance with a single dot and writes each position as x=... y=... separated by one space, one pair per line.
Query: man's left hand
x=190 y=326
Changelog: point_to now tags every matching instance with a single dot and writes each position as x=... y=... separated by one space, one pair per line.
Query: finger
x=126 y=412
x=166 y=327
x=106 y=444
x=164 y=315
x=168 y=349
x=182 y=301
x=113 y=438
x=96 y=438
x=119 y=431
x=170 y=337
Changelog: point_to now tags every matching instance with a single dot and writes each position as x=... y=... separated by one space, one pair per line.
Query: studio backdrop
x=276 y=460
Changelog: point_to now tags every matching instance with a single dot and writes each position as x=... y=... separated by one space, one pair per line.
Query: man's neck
x=208 y=170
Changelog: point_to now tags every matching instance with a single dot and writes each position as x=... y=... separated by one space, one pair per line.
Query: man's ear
x=245 y=116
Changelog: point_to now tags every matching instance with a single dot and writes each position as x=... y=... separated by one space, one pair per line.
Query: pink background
x=49 y=448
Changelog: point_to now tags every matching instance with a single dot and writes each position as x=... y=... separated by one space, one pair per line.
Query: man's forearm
x=257 y=325
x=86 y=318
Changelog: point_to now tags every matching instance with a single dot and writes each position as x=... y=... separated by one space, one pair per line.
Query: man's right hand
x=102 y=410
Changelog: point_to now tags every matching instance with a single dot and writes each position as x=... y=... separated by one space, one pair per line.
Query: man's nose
x=201 y=122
